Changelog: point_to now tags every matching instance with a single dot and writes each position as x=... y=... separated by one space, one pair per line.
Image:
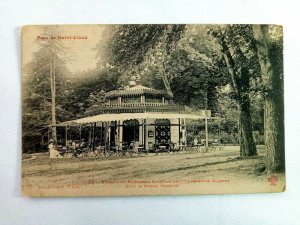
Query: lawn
x=189 y=173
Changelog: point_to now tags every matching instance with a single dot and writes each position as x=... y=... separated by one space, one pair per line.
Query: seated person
x=83 y=144
x=131 y=146
x=73 y=145
x=79 y=149
x=53 y=151
x=195 y=142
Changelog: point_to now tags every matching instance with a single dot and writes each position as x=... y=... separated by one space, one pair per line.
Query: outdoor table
x=140 y=148
x=123 y=150
x=85 y=152
x=119 y=150
x=181 y=147
x=164 y=148
x=112 y=151
x=198 y=146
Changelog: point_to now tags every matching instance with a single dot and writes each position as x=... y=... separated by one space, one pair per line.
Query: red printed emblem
x=273 y=180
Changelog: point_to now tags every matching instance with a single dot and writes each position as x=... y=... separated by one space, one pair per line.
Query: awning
x=130 y=116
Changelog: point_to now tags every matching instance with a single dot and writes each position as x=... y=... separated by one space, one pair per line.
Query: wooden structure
x=135 y=115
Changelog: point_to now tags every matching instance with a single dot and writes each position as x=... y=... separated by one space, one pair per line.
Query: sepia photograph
x=152 y=109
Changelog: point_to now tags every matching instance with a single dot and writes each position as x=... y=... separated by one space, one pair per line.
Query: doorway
x=130 y=131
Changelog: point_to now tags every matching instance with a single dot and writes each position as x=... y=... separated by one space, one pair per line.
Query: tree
x=269 y=43
x=45 y=74
x=130 y=45
x=54 y=54
x=201 y=67
x=175 y=54
x=196 y=70
x=236 y=43
x=88 y=88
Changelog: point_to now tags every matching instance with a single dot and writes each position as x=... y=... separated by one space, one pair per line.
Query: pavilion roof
x=129 y=116
x=138 y=89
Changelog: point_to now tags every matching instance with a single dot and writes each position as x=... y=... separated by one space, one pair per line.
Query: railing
x=139 y=104
x=135 y=91
x=135 y=107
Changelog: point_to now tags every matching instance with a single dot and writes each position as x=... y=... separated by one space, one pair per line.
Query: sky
x=82 y=53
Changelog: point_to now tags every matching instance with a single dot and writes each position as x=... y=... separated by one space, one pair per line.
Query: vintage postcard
x=164 y=109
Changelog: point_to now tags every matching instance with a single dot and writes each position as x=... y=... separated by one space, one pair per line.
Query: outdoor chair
x=213 y=145
x=199 y=147
x=112 y=151
x=85 y=152
x=130 y=151
x=221 y=147
x=181 y=147
x=98 y=151
x=124 y=150
x=142 y=149
x=166 y=150
x=163 y=147
x=68 y=152
x=78 y=151
x=93 y=152
x=133 y=148
x=173 y=148
x=156 y=148
x=189 y=148
x=120 y=150
x=151 y=147
x=176 y=149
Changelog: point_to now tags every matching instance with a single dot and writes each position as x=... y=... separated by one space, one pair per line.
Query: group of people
x=54 y=148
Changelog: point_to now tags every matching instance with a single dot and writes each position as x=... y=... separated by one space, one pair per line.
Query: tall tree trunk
x=211 y=91
x=247 y=144
x=271 y=63
x=53 y=98
x=241 y=87
x=166 y=80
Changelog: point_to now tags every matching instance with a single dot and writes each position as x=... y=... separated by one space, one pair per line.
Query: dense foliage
x=187 y=59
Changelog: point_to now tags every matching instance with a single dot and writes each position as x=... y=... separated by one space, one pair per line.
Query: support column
x=101 y=135
x=108 y=133
x=121 y=133
x=185 y=132
x=206 y=133
x=93 y=141
x=219 y=131
x=105 y=136
x=48 y=132
x=66 y=136
x=80 y=128
x=145 y=132
x=133 y=132
x=179 y=125
x=141 y=133
x=117 y=139
x=90 y=135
